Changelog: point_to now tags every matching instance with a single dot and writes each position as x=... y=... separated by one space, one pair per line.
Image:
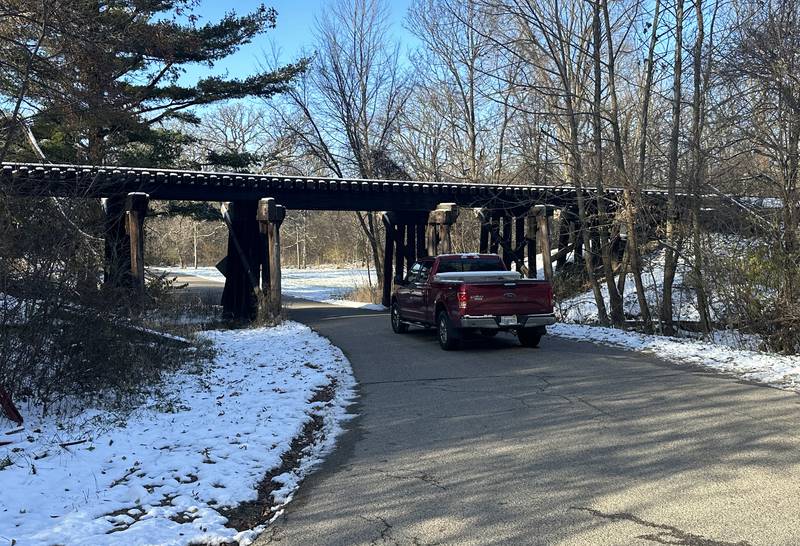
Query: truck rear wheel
x=530 y=337
x=448 y=336
x=398 y=326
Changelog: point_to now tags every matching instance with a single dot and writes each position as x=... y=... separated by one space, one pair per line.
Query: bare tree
x=345 y=111
x=553 y=39
x=672 y=236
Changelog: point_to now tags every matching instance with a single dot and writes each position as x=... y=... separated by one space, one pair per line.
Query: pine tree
x=106 y=75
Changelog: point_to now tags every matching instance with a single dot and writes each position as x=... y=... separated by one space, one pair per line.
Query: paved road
x=572 y=443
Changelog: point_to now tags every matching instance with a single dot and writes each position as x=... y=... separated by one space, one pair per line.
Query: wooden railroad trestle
x=252 y=264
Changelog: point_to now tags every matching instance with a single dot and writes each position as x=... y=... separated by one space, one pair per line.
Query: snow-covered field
x=164 y=475
x=327 y=285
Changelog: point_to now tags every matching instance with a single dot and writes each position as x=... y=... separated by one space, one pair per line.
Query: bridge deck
x=294 y=192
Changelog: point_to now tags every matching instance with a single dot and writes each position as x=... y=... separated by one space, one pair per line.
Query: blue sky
x=293 y=33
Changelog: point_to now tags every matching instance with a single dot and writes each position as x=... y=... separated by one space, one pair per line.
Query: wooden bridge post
x=440 y=222
x=411 y=245
x=431 y=239
x=422 y=249
x=519 y=238
x=399 y=251
x=117 y=266
x=494 y=231
x=388 y=252
x=245 y=255
x=530 y=239
x=563 y=239
x=578 y=252
x=270 y=216
x=543 y=213
x=484 y=218
x=505 y=239
x=136 y=210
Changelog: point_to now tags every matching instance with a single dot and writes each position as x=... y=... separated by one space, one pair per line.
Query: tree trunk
x=672 y=243
x=698 y=170
x=576 y=174
x=368 y=227
x=632 y=262
x=614 y=298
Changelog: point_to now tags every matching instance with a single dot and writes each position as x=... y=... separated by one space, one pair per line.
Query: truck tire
x=529 y=337
x=448 y=336
x=398 y=326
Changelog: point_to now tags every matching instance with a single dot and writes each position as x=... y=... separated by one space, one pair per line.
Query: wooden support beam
x=563 y=240
x=543 y=220
x=411 y=244
x=136 y=210
x=483 y=245
x=494 y=233
x=530 y=238
x=519 y=244
x=431 y=239
x=506 y=241
x=245 y=255
x=388 y=251
x=422 y=250
x=440 y=222
x=399 y=252
x=578 y=252
x=270 y=217
x=445 y=240
x=519 y=236
x=116 y=265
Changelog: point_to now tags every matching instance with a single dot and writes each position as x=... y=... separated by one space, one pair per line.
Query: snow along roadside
x=166 y=474
x=771 y=369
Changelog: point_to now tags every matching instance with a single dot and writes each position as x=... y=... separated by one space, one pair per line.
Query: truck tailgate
x=520 y=297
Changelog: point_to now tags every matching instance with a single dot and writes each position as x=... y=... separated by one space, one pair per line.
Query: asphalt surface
x=571 y=443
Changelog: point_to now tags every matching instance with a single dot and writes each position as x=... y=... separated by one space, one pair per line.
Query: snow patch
x=163 y=475
x=771 y=369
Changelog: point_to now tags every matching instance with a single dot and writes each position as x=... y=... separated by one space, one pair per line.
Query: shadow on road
x=571 y=443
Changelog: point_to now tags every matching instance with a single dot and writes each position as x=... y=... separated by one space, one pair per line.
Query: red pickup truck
x=460 y=294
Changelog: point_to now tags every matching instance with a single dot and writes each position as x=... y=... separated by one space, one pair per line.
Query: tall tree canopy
x=101 y=77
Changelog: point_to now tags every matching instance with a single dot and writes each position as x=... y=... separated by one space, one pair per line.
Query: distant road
x=572 y=443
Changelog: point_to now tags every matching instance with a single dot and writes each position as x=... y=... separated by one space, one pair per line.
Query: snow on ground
x=327 y=285
x=776 y=370
x=583 y=309
x=729 y=351
x=162 y=476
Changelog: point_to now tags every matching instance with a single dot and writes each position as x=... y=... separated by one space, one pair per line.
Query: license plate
x=508 y=321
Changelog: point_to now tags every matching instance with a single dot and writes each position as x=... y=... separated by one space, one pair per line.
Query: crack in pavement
x=421 y=476
x=667 y=534
x=386 y=534
x=543 y=388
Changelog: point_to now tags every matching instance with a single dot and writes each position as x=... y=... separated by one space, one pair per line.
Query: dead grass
x=364 y=294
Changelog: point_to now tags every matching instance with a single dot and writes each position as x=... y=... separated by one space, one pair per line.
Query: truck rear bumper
x=490 y=322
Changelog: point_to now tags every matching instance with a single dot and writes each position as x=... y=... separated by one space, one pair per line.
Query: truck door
x=414 y=306
x=406 y=295
x=423 y=281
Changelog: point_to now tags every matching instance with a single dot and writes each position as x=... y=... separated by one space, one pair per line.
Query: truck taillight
x=462 y=298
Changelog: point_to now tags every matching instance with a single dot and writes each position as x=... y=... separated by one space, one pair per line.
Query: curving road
x=572 y=443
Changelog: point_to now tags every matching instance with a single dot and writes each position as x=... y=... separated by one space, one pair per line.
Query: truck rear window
x=470 y=264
